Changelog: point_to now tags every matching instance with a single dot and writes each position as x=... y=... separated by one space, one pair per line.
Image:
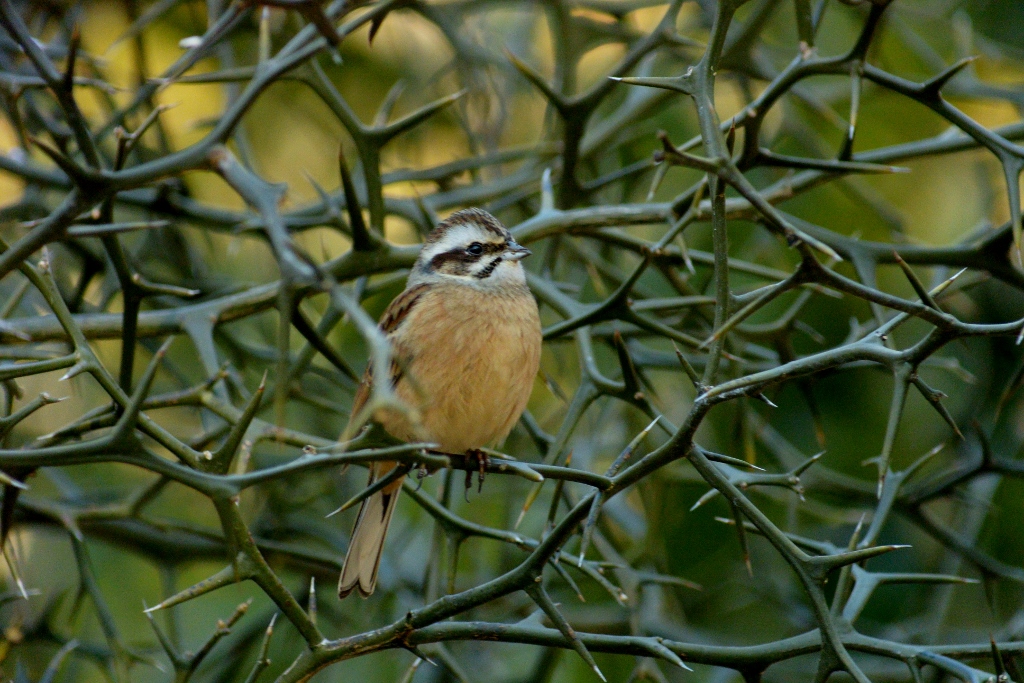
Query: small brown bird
x=466 y=339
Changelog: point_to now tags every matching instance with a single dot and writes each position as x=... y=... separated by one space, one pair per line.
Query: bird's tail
x=364 y=550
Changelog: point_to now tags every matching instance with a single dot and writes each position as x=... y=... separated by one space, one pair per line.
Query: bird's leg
x=481 y=463
x=423 y=470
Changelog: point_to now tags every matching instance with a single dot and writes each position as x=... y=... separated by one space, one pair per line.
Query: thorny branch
x=101 y=204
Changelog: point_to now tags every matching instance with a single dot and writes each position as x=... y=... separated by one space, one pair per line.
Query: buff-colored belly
x=477 y=356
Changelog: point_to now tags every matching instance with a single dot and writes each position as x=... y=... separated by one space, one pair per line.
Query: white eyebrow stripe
x=457 y=236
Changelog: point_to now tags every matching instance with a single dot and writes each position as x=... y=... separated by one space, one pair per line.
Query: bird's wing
x=392 y=319
x=359 y=570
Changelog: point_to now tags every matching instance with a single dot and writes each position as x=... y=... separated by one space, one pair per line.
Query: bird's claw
x=481 y=468
x=422 y=472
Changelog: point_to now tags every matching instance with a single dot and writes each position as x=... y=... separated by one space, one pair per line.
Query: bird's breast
x=470 y=358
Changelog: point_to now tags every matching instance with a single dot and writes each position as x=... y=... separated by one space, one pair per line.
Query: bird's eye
x=475 y=249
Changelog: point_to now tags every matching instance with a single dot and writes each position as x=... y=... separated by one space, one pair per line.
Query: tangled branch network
x=713 y=314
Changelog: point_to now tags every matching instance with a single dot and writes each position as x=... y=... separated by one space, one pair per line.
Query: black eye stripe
x=455 y=261
x=454 y=257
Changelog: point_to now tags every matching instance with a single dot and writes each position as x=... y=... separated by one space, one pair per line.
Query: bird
x=465 y=337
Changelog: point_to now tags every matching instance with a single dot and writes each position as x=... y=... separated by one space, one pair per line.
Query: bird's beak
x=516 y=252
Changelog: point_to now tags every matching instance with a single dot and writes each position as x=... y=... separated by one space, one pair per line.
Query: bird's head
x=471 y=247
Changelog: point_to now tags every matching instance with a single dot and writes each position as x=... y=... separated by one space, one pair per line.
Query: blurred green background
x=290 y=136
